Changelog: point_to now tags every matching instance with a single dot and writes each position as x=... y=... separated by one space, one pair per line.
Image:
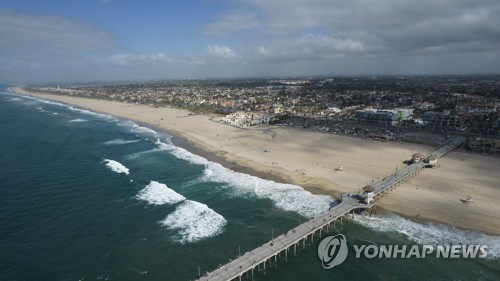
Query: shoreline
x=185 y=143
x=230 y=155
x=210 y=156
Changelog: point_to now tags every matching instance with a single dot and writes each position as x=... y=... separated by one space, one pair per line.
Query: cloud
x=220 y=52
x=475 y=27
x=138 y=59
x=306 y=47
x=46 y=39
x=263 y=51
x=330 y=43
x=211 y=55
x=233 y=22
x=393 y=26
x=262 y=37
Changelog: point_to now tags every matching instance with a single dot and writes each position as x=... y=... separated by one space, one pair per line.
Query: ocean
x=87 y=196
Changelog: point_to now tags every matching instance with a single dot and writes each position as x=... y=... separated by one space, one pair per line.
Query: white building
x=247 y=119
x=417 y=157
x=368 y=193
x=432 y=160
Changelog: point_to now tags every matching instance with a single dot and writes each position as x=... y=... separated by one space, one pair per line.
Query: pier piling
x=243 y=264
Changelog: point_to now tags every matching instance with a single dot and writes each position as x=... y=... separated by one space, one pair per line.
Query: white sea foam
x=88 y=112
x=157 y=193
x=285 y=196
x=181 y=153
x=84 y=111
x=116 y=166
x=48 y=102
x=135 y=128
x=430 y=233
x=288 y=197
x=194 y=221
x=120 y=142
x=141 y=153
x=22 y=99
x=78 y=120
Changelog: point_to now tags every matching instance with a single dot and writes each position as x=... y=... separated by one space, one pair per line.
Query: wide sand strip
x=309 y=159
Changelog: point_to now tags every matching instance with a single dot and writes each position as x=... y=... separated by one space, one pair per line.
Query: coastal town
x=250 y=140
x=383 y=108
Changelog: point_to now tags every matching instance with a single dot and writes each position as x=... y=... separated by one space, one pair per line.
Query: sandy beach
x=309 y=159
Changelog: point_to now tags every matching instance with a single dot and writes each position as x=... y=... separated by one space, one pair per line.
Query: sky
x=114 y=40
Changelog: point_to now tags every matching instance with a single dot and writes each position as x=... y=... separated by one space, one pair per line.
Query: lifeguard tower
x=417 y=157
x=432 y=161
x=368 y=193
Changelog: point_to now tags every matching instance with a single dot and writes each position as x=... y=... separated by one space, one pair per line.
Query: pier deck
x=281 y=245
x=401 y=175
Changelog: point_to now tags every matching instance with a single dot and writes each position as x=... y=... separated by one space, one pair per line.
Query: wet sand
x=309 y=159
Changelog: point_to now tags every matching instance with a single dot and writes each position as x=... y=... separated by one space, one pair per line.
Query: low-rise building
x=383 y=116
x=477 y=108
x=247 y=119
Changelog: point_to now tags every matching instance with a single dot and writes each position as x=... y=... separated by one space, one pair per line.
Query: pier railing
x=279 y=247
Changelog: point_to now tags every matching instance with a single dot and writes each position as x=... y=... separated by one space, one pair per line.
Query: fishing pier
x=281 y=247
x=402 y=175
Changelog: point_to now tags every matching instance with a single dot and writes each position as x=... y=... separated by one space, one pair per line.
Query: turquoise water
x=86 y=196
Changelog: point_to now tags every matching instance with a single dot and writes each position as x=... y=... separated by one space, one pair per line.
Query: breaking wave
x=141 y=153
x=119 y=142
x=116 y=166
x=137 y=129
x=47 y=101
x=194 y=221
x=157 y=193
x=84 y=111
x=285 y=196
x=430 y=233
x=288 y=197
x=88 y=112
x=78 y=120
x=181 y=153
